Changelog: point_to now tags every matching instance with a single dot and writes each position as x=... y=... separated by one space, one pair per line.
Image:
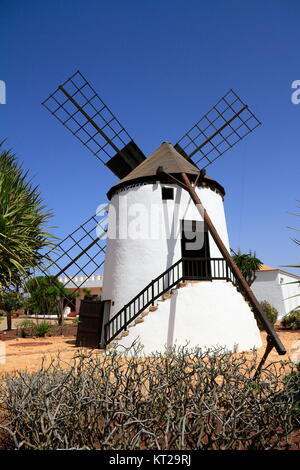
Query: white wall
x=133 y=260
x=268 y=286
x=289 y=290
x=205 y=314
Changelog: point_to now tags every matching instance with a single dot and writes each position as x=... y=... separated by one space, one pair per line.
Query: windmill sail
x=222 y=127
x=80 y=109
x=77 y=257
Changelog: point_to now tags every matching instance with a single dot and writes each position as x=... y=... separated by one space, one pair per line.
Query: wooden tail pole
x=269 y=348
x=273 y=338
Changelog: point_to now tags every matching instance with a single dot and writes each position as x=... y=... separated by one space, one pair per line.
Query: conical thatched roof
x=166 y=157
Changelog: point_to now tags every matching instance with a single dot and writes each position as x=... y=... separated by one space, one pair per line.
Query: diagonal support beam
x=273 y=338
x=269 y=348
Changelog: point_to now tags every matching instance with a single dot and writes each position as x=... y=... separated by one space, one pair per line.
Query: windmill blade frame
x=80 y=109
x=220 y=129
x=78 y=256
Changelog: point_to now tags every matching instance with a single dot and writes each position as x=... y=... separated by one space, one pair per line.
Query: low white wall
x=48 y=317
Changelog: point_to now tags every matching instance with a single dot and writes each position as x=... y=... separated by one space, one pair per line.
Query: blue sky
x=160 y=65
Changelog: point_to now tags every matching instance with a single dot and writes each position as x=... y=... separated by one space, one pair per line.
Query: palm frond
x=23 y=216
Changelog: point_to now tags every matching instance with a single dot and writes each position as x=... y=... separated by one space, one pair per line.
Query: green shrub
x=27 y=328
x=270 y=312
x=2 y=313
x=43 y=328
x=291 y=321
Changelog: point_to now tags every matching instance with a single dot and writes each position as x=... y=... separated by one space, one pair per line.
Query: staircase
x=178 y=275
x=142 y=316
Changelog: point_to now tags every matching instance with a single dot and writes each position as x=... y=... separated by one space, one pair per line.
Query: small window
x=167 y=193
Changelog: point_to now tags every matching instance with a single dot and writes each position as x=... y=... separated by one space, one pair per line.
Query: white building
x=146 y=238
x=81 y=282
x=273 y=285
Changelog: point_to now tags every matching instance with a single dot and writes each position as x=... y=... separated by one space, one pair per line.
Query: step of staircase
x=165 y=297
x=153 y=308
x=121 y=335
x=144 y=314
x=182 y=284
x=111 y=345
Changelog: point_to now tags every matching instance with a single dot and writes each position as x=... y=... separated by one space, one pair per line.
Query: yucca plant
x=22 y=223
x=248 y=265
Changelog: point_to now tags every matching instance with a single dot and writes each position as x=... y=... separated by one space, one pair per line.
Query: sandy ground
x=28 y=353
x=17 y=321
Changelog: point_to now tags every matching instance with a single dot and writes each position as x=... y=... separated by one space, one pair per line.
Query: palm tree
x=22 y=219
x=248 y=265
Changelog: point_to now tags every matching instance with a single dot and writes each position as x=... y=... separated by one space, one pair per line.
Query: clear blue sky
x=160 y=65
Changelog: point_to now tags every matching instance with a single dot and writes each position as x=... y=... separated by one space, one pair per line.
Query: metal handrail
x=183 y=270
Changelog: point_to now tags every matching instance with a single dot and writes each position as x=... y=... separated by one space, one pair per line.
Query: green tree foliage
x=10 y=302
x=248 y=265
x=47 y=294
x=22 y=219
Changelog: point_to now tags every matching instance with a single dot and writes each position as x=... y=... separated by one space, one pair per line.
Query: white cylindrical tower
x=148 y=217
x=144 y=235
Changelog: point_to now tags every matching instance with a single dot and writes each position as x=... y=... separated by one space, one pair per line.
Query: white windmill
x=168 y=275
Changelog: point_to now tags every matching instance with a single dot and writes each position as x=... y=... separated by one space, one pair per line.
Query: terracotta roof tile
x=264 y=267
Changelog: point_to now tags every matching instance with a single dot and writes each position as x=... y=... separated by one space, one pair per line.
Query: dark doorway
x=90 y=324
x=195 y=250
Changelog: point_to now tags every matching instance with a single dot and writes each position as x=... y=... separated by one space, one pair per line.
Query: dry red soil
x=28 y=353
